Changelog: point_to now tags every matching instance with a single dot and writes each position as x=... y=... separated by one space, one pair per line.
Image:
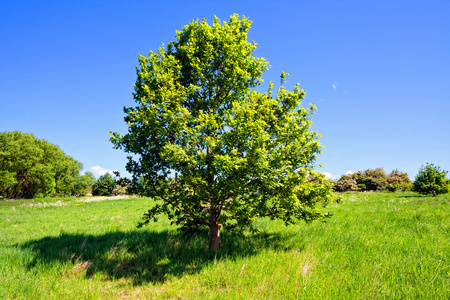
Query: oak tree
x=211 y=149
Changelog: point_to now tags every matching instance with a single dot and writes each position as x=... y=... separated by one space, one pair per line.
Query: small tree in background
x=82 y=184
x=123 y=184
x=431 y=180
x=104 y=186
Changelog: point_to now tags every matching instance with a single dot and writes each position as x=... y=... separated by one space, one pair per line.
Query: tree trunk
x=214 y=236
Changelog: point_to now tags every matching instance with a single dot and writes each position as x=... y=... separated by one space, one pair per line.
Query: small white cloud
x=333 y=86
x=330 y=176
x=101 y=171
x=349 y=172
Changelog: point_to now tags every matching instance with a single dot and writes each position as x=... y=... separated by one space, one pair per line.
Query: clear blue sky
x=378 y=71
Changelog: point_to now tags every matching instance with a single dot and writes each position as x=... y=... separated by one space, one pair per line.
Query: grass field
x=376 y=246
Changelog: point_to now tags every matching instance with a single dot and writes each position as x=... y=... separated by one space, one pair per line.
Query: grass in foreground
x=376 y=246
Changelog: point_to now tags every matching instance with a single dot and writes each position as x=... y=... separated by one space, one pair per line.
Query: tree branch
x=179 y=208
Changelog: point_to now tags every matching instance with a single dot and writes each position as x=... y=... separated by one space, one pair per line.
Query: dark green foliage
x=104 y=186
x=362 y=187
x=123 y=186
x=33 y=168
x=431 y=180
x=398 y=181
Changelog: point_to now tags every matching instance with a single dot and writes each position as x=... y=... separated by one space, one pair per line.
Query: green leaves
x=104 y=186
x=431 y=180
x=31 y=167
x=212 y=149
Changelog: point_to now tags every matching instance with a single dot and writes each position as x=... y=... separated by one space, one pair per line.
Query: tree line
x=35 y=168
x=431 y=180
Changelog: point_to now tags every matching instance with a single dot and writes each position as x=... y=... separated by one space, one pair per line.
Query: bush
x=431 y=180
x=369 y=180
x=104 y=186
x=398 y=181
x=362 y=187
x=83 y=183
x=345 y=184
x=372 y=179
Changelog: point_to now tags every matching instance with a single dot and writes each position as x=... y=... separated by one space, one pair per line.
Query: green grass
x=376 y=246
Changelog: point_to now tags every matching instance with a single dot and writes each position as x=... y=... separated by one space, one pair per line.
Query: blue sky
x=378 y=71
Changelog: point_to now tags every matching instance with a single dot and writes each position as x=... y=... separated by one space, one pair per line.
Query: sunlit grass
x=376 y=246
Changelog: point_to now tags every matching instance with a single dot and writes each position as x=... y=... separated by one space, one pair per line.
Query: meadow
x=375 y=246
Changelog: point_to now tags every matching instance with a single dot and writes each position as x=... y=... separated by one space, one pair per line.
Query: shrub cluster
x=345 y=184
x=35 y=168
x=106 y=185
x=431 y=180
x=398 y=181
x=373 y=180
x=369 y=180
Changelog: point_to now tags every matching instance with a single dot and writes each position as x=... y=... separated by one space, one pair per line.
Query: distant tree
x=82 y=184
x=431 y=180
x=31 y=167
x=104 y=186
x=212 y=150
x=123 y=184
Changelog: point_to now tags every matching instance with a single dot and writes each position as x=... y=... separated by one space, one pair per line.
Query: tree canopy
x=214 y=151
x=104 y=186
x=31 y=167
x=431 y=180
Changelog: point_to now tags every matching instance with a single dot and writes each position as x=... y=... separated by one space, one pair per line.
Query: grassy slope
x=376 y=246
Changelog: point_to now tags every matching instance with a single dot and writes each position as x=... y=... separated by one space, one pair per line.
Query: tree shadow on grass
x=144 y=256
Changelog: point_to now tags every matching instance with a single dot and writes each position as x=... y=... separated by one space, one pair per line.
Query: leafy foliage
x=431 y=180
x=369 y=180
x=210 y=148
x=104 y=186
x=372 y=179
x=398 y=181
x=345 y=184
x=123 y=186
x=33 y=168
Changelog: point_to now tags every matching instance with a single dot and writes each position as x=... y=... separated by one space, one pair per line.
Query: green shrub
x=431 y=180
x=372 y=179
x=399 y=186
x=362 y=187
x=369 y=180
x=398 y=181
x=345 y=184
x=104 y=186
